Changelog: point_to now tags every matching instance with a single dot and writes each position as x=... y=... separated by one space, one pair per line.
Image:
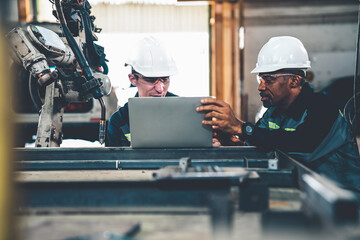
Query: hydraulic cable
x=350 y=109
x=356 y=77
x=34 y=93
x=92 y=84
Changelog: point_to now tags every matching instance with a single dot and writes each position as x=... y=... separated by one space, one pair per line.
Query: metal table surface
x=126 y=153
x=160 y=222
x=176 y=223
x=121 y=190
x=179 y=222
x=112 y=188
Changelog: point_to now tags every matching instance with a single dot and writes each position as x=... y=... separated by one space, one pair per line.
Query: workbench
x=86 y=193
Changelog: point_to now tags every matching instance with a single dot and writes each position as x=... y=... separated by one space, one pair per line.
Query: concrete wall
x=328 y=32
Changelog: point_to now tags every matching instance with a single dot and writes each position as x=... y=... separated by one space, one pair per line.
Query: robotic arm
x=35 y=48
x=80 y=67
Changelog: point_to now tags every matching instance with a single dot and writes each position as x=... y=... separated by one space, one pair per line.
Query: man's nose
x=261 y=86
x=159 y=86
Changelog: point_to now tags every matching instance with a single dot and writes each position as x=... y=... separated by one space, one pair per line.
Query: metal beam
x=283 y=178
x=24 y=11
x=130 y=164
x=335 y=206
x=126 y=153
x=225 y=57
x=113 y=193
x=323 y=197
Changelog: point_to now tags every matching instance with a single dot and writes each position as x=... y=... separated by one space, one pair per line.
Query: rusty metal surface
x=83 y=175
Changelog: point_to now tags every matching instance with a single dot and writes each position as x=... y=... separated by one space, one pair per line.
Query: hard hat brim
x=273 y=68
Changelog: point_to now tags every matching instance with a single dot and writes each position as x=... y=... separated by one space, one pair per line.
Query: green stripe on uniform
x=128 y=136
x=273 y=125
x=341 y=113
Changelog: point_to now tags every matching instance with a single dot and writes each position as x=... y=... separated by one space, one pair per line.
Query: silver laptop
x=169 y=122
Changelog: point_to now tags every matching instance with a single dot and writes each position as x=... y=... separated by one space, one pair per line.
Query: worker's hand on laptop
x=220 y=116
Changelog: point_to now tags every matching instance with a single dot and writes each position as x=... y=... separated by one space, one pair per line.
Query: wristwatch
x=247 y=129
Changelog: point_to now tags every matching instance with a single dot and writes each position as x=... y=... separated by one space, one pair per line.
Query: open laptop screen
x=169 y=122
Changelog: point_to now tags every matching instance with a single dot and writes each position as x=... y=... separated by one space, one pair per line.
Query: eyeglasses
x=153 y=80
x=269 y=79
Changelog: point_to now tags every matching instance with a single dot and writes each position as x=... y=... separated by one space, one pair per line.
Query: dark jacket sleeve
x=320 y=117
x=115 y=136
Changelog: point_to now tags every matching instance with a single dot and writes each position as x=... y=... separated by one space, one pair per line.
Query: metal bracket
x=273 y=164
x=184 y=164
x=49 y=132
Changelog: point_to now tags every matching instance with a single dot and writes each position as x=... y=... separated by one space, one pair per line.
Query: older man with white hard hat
x=151 y=68
x=307 y=125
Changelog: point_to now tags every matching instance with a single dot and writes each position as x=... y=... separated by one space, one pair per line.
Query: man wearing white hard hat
x=307 y=125
x=151 y=68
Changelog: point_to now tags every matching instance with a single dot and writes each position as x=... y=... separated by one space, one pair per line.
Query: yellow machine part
x=6 y=134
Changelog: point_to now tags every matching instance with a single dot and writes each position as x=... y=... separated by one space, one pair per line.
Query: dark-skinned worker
x=152 y=65
x=306 y=125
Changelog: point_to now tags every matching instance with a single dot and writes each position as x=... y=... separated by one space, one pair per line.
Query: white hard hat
x=282 y=53
x=150 y=58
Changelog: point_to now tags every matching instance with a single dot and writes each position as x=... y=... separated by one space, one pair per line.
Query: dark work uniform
x=314 y=131
x=118 y=131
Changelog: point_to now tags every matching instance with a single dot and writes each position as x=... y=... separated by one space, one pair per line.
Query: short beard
x=268 y=103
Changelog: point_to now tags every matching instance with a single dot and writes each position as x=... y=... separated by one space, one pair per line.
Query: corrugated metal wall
x=182 y=28
x=134 y=18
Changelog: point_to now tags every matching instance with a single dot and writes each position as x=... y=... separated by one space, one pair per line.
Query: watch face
x=249 y=129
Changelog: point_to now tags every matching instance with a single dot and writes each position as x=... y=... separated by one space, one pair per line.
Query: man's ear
x=295 y=81
x=132 y=79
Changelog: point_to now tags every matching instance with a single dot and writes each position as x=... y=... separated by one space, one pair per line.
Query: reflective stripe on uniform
x=273 y=125
x=341 y=113
x=128 y=136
